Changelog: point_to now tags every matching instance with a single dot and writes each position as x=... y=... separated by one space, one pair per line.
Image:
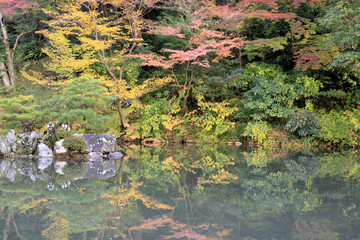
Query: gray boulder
x=10 y=138
x=44 y=151
x=90 y=140
x=27 y=143
x=59 y=148
x=66 y=127
x=5 y=148
x=105 y=143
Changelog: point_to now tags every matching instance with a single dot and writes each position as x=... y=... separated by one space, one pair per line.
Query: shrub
x=303 y=123
x=340 y=127
x=75 y=144
x=274 y=93
x=157 y=117
x=60 y=134
x=211 y=119
x=257 y=131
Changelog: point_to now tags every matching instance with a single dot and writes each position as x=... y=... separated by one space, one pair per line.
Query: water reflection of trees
x=201 y=193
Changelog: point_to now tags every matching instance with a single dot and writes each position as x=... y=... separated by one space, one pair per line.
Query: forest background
x=277 y=72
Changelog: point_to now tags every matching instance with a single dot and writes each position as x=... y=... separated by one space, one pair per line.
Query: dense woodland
x=277 y=72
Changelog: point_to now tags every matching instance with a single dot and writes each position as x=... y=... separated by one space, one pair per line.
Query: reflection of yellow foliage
x=173 y=166
x=35 y=205
x=222 y=177
x=127 y=196
x=58 y=228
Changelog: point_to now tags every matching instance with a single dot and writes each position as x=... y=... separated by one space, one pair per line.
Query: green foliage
x=75 y=144
x=211 y=120
x=274 y=92
x=83 y=104
x=157 y=117
x=303 y=123
x=60 y=134
x=342 y=19
x=20 y=112
x=340 y=127
x=257 y=131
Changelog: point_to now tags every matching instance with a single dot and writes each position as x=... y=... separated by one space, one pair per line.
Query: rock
x=27 y=143
x=105 y=143
x=51 y=129
x=99 y=143
x=59 y=148
x=44 y=151
x=5 y=148
x=66 y=127
x=115 y=155
x=95 y=156
x=11 y=137
x=90 y=140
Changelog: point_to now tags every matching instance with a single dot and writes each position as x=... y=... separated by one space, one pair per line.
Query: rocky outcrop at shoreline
x=34 y=144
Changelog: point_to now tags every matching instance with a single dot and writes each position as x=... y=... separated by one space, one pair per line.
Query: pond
x=178 y=192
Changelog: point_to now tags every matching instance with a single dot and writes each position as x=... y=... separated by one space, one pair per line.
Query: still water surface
x=200 y=192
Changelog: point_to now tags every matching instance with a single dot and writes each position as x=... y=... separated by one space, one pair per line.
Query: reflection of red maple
x=312 y=230
x=179 y=230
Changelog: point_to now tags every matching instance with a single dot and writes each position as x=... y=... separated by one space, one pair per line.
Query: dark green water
x=202 y=192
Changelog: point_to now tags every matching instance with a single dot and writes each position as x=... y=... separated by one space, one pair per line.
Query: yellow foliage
x=80 y=36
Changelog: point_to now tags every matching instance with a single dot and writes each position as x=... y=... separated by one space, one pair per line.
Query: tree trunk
x=121 y=114
x=4 y=75
x=8 y=53
x=186 y=95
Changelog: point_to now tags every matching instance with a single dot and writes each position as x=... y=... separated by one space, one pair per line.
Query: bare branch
x=17 y=41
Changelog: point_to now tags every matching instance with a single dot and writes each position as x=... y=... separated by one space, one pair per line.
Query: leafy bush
x=157 y=117
x=60 y=134
x=340 y=127
x=274 y=93
x=211 y=120
x=303 y=123
x=257 y=131
x=75 y=144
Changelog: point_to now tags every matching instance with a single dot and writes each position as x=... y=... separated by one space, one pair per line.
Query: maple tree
x=81 y=38
x=9 y=8
x=202 y=46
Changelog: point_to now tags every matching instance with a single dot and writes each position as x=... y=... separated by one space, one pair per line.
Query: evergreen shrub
x=75 y=144
x=60 y=134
